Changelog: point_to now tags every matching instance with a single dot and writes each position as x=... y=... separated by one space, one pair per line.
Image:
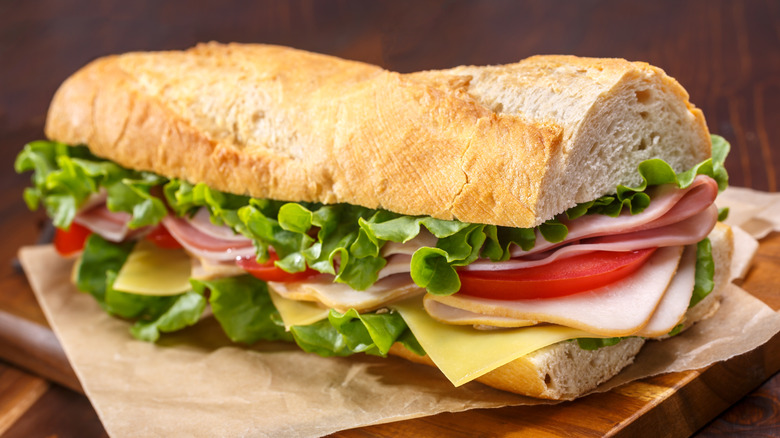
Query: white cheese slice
x=297 y=312
x=463 y=353
x=150 y=270
x=618 y=309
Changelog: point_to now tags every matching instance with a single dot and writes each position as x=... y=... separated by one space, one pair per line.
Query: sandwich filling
x=341 y=279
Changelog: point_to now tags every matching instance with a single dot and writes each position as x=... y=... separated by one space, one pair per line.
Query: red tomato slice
x=560 y=278
x=268 y=271
x=162 y=238
x=70 y=241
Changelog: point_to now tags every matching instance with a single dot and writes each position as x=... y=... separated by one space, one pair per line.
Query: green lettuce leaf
x=96 y=271
x=64 y=177
x=596 y=343
x=705 y=272
x=343 y=334
x=184 y=311
x=99 y=263
x=243 y=308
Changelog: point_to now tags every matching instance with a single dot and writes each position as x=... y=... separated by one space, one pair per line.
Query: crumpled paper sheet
x=196 y=383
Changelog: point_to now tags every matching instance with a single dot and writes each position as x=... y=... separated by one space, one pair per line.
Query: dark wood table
x=726 y=53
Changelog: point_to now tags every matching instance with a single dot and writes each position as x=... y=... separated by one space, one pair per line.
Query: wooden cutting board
x=675 y=404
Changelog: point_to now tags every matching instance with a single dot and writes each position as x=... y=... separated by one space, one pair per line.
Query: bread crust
x=280 y=123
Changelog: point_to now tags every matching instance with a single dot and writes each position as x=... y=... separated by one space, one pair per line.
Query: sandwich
x=529 y=226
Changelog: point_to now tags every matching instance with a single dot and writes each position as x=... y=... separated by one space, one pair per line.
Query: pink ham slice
x=674 y=305
x=341 y=297
x=202 y=222
x=669 y=205
x=108 y=224
x=207 y=246
x=686 y=232
x=674 y=217
x=668 y=313
x=619 y=309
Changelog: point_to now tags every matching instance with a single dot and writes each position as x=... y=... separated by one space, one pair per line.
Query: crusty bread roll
x=508 y=145
x=564 y=371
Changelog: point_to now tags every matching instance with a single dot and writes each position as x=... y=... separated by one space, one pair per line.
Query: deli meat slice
x=452 y=315
x=202 y=222
x=207 y=246
x=686 y=232
x=675 y=303
x=108 y=224
x=667 y=315
x=342 y=297
x=668 y=205
x=618 y=309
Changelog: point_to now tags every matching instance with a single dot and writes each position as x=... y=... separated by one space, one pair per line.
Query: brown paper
x=196 y=383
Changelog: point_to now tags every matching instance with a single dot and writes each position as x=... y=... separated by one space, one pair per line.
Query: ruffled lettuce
x=243 y=308
x=705 y=272
x=344 y=334
x=596 y=343
x=95 y=274
x=65 y=177
x=241 y=305
x=184 y=311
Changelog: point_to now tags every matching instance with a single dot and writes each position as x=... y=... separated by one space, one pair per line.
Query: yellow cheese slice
x=297 y=312
x=150 y=270
x=464 y=353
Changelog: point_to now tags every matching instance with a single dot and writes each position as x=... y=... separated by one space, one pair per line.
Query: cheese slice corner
x=150 y=270
x=463 y=353
x=294 y=312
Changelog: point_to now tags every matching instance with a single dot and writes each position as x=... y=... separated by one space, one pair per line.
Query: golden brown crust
x=561 y=371
x=519 y=376
x=279 y=123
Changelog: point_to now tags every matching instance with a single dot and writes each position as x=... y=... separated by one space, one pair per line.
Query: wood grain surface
x=726 y=53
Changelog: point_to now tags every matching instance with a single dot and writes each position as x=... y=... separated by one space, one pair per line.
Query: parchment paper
x=196 y=383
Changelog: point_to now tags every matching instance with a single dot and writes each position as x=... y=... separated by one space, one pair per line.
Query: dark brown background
x=726 y=53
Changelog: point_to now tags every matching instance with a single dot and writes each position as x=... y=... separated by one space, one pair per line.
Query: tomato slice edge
x=161 y=237
x=268 y=271
x=561 y=278
x=72 y=240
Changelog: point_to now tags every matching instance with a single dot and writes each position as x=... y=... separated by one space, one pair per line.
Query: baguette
x=496 y=145
x=513 y=145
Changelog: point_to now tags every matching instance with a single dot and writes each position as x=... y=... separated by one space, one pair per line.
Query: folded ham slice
x=342 y=297
x=206 y=245
x=108 y=224
x=622 y=308
x=668 y=205
x=668 y=312
x=690 y=230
